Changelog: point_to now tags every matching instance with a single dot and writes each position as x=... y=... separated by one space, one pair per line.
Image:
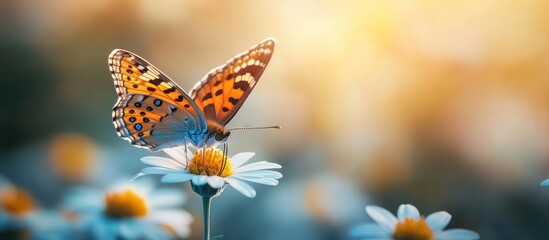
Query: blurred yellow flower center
x=411 y=229
x=16 y=201
x=125 y=204
x=211 y=164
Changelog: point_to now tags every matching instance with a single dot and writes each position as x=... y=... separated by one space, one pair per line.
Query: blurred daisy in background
x=20 y=218
x=210 y=169
x=409 y=225
x=129 y=211
x=545 y=183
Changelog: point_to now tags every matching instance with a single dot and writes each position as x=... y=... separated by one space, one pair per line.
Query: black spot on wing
x=169 y=90
x=234 y=101
x=207 y=96
x=242 y=85
x=219 y=92
x=173 y=109
x=156 y=82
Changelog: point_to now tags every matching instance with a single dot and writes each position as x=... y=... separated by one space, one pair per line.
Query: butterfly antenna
x=253 y=128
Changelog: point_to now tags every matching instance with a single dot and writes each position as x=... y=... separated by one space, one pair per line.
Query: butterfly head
x=216 y=133
x=221 y=135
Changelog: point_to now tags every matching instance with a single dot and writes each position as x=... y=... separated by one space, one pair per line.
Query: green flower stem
x=206 y=200
x=207 y=193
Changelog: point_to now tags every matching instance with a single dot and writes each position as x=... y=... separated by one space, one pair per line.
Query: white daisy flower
x=20 y=217
x=409 y=225
x=545 y=183
x=129 y=211
x=211 y=170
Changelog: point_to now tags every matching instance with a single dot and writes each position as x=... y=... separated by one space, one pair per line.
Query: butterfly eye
x=218 y=136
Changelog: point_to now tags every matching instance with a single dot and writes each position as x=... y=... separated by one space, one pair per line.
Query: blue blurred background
x=441 y=104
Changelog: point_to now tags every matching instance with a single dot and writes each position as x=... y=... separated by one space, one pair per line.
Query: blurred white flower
x=129 y=211
x=409 y=225
x=19 y=215
x=545 y=183
x=212 y=170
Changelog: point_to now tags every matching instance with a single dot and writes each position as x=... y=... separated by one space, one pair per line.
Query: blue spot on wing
x=158 y=102
x=138 y=127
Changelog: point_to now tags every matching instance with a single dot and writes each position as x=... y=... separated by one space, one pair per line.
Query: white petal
x=407 y=211
x=545 y=182
x=144 y=186
x=128 y=229
x=136 y=176
x=216 y=182
x=179 y=220
x=370 y=231
x=265 y=181
x=152 y=231
x=200 y=180
x=241 y=158
x=167 y=198
x=105 y=230
x=160 y=170
x=260 y=174
x=241 y=186
x=84 y=199
x=383 y=217
x=178 y=153
x=162 y=162
x=438 y=221
x=457 y=234
x=176 y=177
x=257 y=166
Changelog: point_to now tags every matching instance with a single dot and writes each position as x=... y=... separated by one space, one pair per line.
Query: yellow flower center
x=125 y=204
x=16 y=201
x=211 y=164
x=411 y=229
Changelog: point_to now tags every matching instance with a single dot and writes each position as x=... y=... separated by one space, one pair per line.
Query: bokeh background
x=441 y=104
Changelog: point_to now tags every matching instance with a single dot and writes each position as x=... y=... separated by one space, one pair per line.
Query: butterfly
x=153 y=112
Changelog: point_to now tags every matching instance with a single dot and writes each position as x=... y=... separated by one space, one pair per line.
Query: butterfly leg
x=186 y=156
x=204 y=158
x=225 y=152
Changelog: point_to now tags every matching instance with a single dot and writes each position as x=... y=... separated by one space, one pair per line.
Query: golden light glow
x=125 y=204
x=72 y=156
x=211 y=164
x=16 y=201
x=411 y=229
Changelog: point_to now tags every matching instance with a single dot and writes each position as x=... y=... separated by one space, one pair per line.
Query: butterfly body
x=153 y=112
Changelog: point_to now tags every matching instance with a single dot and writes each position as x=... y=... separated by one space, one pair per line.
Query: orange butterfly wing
x=152 y=111
x=221 y=93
